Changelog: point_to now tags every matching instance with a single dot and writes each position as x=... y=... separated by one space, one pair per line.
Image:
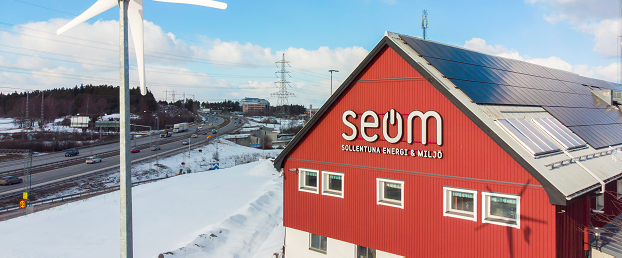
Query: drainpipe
x=602 y=183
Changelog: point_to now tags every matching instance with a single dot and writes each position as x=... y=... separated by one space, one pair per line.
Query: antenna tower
x=424 y=22
x=282 y=84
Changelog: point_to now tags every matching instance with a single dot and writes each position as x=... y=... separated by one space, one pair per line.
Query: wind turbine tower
x=130 y=11
x=424 y=22
x=282 y=84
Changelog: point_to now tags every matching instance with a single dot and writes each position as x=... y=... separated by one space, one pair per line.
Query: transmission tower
x=282 y=84
x=424 y=22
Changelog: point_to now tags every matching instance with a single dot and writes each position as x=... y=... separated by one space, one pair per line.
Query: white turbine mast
x=130 y=12
x=135 y=19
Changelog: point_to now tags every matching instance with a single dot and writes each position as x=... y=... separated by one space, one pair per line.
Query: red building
x=430 y=150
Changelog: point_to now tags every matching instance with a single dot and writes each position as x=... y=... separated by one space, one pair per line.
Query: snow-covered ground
x=233 y=212
x=281 y=123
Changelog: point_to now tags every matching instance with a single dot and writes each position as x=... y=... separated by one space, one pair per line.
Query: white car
x=91 y=160
x=200 y=128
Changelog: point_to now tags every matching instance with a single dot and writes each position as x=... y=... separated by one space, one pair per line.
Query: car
x=199 y=128
x=194 y=136
x=135 y=150
x=9 y=180
x=185 y=142
x=92 y=160
x=204 y=133
x=214 y=131
x=72 y=152
x=155 y=147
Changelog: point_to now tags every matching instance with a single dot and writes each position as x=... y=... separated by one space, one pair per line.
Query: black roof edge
x=278 y=162
x=555 y=196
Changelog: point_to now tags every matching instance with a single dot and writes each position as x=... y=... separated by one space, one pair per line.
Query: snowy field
x=231 y=212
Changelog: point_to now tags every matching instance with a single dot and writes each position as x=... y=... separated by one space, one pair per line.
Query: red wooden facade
x=471 y=160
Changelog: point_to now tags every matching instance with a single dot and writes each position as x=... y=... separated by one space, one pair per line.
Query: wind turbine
x=132 y=11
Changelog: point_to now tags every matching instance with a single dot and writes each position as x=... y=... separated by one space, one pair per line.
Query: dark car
x=185 y=142
x=72 y=152
x=135 y=150
x=9 y=180
x=204 y=132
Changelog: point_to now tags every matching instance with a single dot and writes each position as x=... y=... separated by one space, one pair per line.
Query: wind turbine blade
x=135 y=19
x=99 y=7
x=207 y=3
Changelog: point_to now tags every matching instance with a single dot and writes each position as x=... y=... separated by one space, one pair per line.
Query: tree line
x=84 y=100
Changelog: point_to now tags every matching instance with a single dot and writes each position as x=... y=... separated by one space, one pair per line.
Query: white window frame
x=301 y=180
x=448 y=212
x=380 y=192
x=619 y=182
x=486 y=204
x=325 y=180
x=316 y=249
x=600 y=202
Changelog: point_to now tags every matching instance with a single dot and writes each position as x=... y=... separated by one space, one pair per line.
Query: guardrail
x=76 y=195
x=74 y=161
x=64 y=181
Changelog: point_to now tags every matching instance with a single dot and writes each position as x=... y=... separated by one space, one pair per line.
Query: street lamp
x=331 y=80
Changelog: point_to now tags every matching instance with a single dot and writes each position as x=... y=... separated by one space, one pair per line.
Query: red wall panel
x=470 y=160
x=570 y=221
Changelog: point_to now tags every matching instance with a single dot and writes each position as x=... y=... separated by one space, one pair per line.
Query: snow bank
x=241 y=206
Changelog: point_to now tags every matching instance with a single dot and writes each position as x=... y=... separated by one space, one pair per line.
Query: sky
x=211 y=54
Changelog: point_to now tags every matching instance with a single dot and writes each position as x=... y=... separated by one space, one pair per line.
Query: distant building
x=254 y=104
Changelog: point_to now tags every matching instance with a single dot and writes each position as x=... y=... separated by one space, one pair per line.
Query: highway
x=93 y=151
x=83 y=168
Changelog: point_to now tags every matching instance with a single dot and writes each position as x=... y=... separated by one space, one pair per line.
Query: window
x=332 y=183
x=559 y=132
x=528 y=136
x=308 y=180
x=501 y=209
x=460 y=203
x=619 y=188
x=364 y=252
x=317 y=243
x=600 y=202
x=390 y=192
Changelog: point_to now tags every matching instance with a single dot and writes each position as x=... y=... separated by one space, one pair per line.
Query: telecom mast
x=282 y=84
x=424 y=22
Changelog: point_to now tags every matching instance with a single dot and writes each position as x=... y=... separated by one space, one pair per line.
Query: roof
x=487 y=88
x=237 y=136
x=612 y=238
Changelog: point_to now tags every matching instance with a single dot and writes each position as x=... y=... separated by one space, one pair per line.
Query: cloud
x=209 y=69
x=608 y=72
x=596 y=17
x=605 y=36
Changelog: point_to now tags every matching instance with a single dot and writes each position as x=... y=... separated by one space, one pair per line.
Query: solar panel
x=488 y=79
x=528 y=136
x=559 y=132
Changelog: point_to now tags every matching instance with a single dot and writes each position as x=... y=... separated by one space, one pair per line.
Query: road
x=90 y=151
x=83 y=168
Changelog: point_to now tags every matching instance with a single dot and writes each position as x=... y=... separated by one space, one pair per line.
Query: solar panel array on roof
x=559 y=132
x=528 y=136
x=488 y=79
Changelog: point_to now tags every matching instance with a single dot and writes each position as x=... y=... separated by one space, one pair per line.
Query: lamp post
x=331 y=80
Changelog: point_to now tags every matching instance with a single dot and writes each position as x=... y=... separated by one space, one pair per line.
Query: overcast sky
x=230 y=54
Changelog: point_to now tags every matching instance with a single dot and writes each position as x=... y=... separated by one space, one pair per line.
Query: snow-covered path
x=241 y=206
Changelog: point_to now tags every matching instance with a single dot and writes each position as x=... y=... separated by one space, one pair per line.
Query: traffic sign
x=25 y=196
x=216 y=165
x=22 y=204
